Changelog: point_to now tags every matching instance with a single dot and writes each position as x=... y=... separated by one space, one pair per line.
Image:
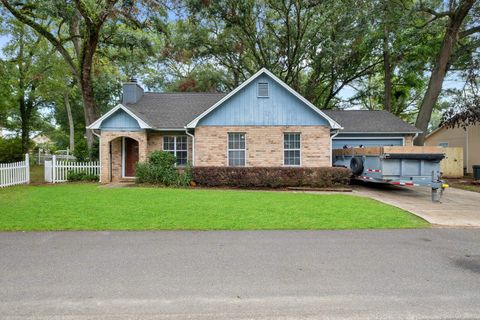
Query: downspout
x=99 y=153
x=331 y=145
x=415 y=137
x=193 y=145
x=466 y=150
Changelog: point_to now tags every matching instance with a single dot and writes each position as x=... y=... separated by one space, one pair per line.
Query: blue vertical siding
x=120 y=121
x=246 y=108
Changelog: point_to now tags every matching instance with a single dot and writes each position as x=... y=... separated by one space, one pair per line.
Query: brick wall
x=264 y=145
x=409 y=140
x=155 y=142
x=115 y=137
x=148 y=142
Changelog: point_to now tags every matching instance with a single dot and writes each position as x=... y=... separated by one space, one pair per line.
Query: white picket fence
x=57 y=170
x=15 y=173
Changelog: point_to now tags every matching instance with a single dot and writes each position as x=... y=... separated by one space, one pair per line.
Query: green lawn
x=91 y=207
x=36 y=174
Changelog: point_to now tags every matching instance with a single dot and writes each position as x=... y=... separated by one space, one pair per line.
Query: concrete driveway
x=458 y=208
x=363 y=274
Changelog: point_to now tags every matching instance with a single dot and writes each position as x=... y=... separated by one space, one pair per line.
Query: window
x=443 y=144
x=178 y=146
x=291 y=149
x=236 y=149
x=263 y=89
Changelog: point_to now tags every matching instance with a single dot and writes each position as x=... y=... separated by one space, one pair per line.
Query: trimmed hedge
x=271 y=177
x=81 y=176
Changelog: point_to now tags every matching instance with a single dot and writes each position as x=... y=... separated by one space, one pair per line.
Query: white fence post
x=27 y=168
x=54 y=169
x=48 y=171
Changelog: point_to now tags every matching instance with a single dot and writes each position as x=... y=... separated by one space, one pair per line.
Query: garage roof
x=370 y=121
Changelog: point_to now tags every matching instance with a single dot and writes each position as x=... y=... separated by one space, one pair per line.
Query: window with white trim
x=236 y=149
x=178 y=146
x=263 y=89
x=291 y=149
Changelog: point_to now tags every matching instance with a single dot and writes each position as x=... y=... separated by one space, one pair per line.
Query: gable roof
x=370 y=121
x=98 y=122
x=333 y=123
x=172 y=110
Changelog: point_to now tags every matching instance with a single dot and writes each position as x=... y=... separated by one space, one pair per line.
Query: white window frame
x=299 y=150
x=258 y=90
x=175 y=147
x=228 y=149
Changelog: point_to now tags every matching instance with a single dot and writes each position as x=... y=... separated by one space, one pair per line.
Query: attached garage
x=340 y=141
x=371 y=128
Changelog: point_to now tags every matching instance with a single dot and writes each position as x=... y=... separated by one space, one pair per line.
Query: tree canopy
x=368 y=54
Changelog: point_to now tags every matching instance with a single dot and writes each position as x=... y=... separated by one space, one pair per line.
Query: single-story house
x=262 y=122
x=468 y=139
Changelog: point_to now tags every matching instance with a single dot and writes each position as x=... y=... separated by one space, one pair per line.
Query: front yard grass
x=91 y=207
x=465 y=183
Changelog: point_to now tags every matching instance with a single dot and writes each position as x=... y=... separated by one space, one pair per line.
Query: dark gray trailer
x=403 y=166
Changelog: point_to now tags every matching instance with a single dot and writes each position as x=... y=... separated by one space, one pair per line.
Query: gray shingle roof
x=176 y=110
x=172 y=110
x=370 y=121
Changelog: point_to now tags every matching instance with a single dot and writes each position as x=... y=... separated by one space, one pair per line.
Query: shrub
x=81 y=151
x=81 y=176
x=271 y=177
x=11 y=150
x=160 y=169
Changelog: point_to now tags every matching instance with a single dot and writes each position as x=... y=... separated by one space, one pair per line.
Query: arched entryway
x=130 y=157
x=120 y=152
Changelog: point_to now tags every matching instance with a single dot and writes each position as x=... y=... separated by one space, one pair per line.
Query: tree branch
x=468 y=32
x=44 y=32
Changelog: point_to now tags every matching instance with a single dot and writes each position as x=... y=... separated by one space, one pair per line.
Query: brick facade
x=409 y=140
x=264 y=145
x=155 y=142
x=114 y=139
x=147 y=143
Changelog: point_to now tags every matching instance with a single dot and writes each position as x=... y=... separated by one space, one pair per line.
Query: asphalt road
x=386 y=274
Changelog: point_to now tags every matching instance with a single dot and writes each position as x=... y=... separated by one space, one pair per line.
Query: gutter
x=415 y=137
x=99 y=154
x=331 y=145
x=466 y=150
x=193 y=145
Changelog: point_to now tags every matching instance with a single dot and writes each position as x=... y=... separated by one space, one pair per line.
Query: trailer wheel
x=356 y=165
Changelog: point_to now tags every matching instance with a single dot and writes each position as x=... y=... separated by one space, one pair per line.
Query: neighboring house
x=468 y=139
x=41 y=139
x=263 y=122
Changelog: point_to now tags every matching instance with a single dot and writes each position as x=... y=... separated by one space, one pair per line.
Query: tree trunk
x=440 y=69
x=90 y=115
x=71 y=127
x=89 y=107
x=91 y=112
x=387 y=100
x=25 y=125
